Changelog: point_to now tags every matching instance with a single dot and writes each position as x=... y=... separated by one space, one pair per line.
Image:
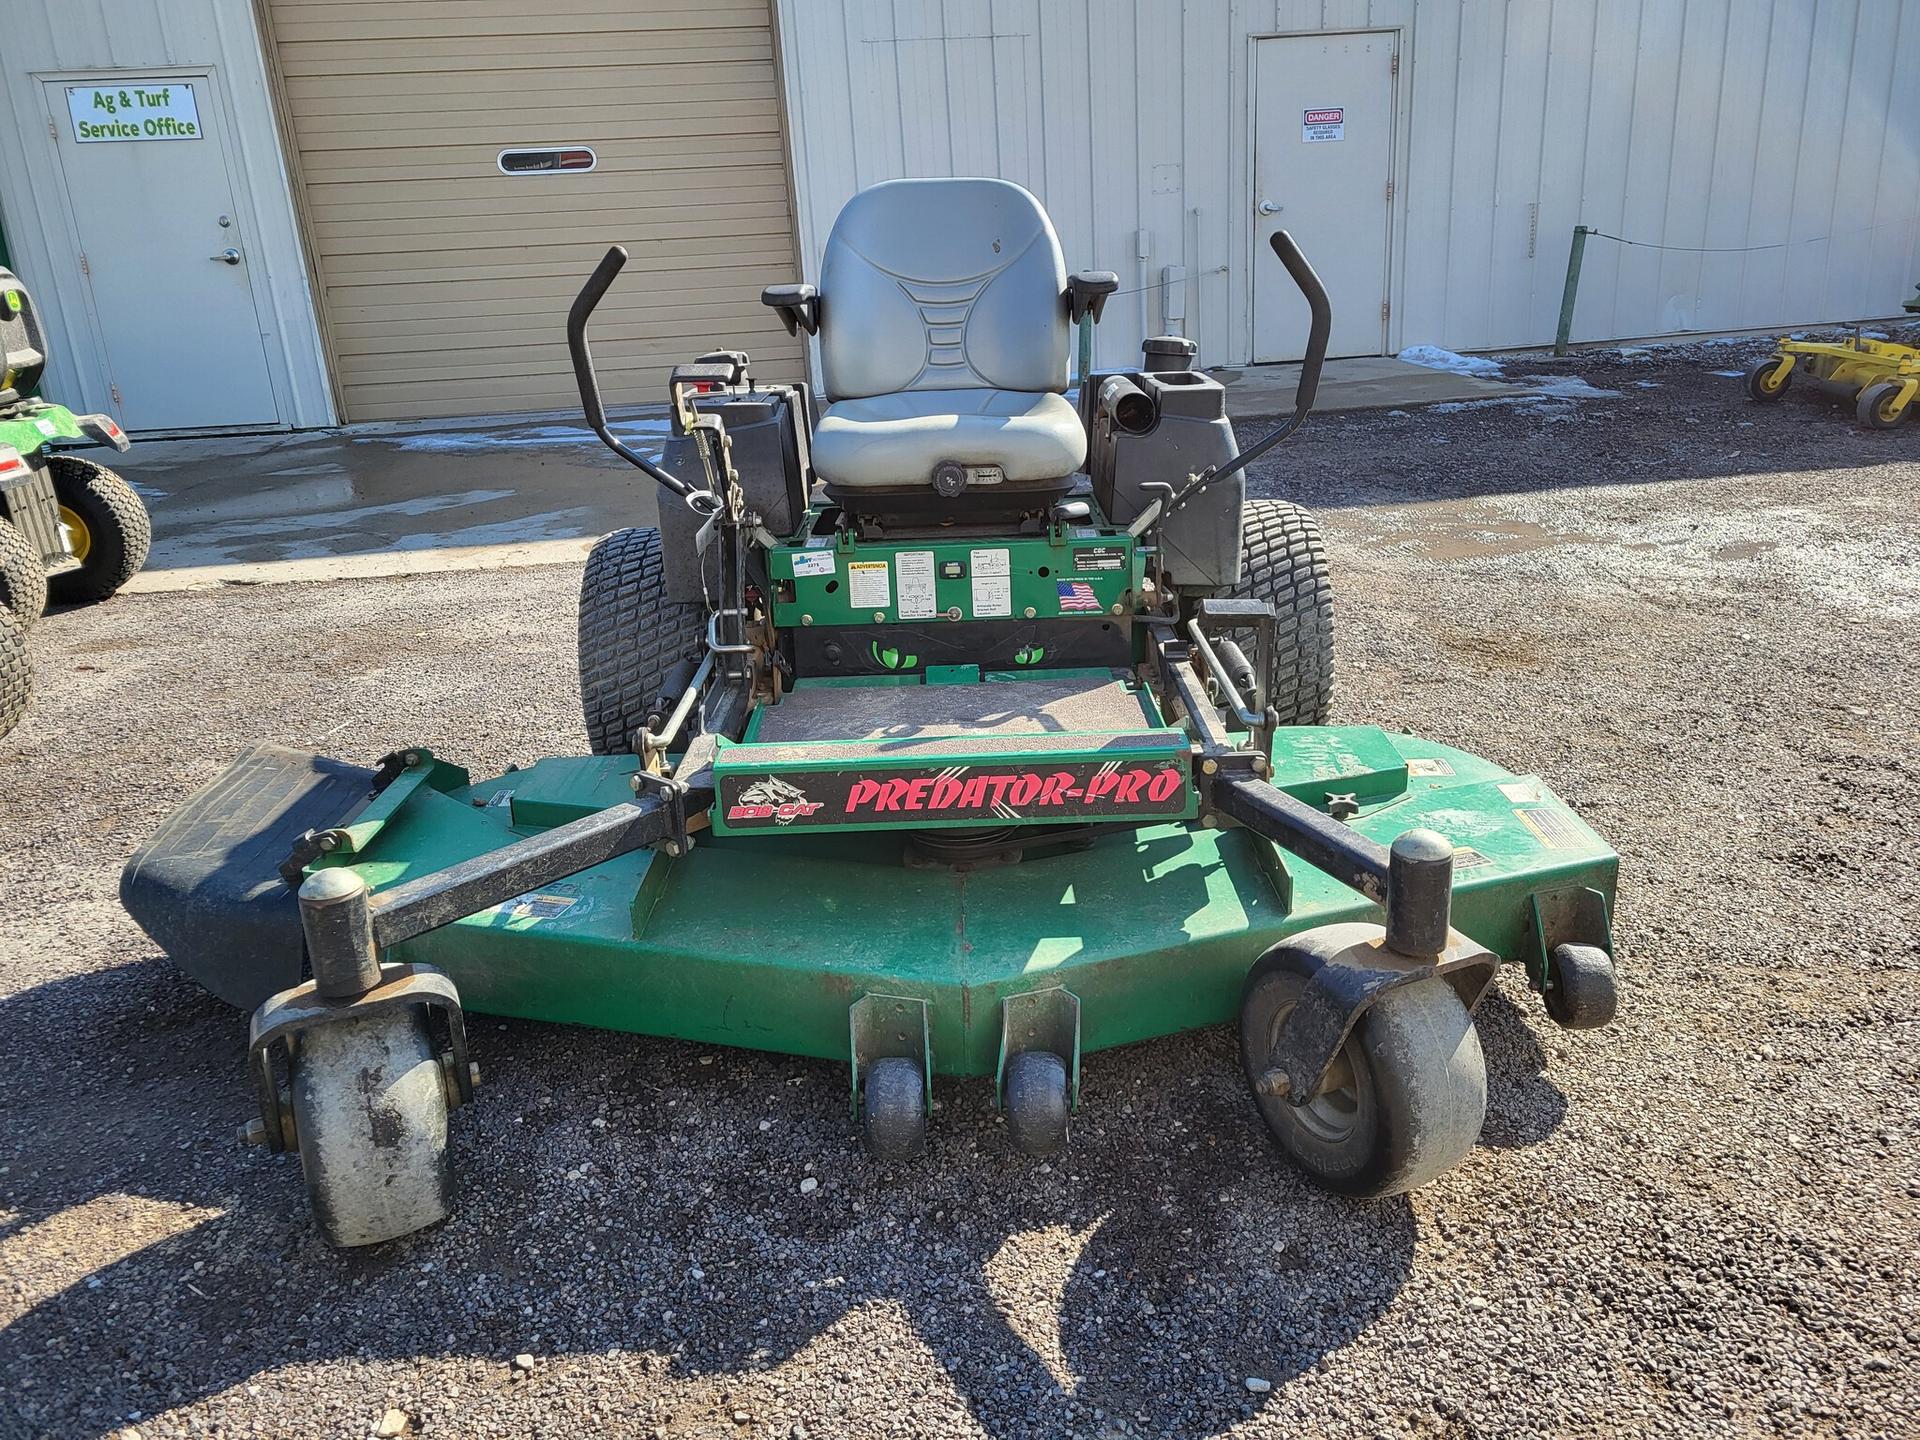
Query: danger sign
x=1319 y=125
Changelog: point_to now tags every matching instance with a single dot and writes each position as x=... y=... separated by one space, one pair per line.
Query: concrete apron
x=381 y=500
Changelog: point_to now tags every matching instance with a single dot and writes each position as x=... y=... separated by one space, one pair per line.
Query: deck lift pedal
x=956 y=731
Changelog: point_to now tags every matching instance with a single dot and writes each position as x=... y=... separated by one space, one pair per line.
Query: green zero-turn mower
x=962 y=733
x=70 y=529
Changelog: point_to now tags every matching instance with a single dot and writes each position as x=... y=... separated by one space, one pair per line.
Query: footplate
x=207 y=886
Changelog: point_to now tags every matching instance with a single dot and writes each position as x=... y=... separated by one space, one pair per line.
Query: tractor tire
x=107 y=526
x=23 y=579
x=370 y=1116
x=1286 y=565
x=632 y=639
x=16 y=672
x=1877 y=407
x=1405 y=1099
x=1766 y=382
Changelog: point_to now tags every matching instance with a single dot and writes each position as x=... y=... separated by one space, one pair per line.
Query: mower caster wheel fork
x=1403 y=1100
x=1581 y=993
x=1037 y=1095
x=1879 y=407
x=1768 y=381
x=893 y=1108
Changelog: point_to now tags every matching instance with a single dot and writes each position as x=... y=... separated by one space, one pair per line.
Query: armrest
x=799 y=306
x=1087 y=293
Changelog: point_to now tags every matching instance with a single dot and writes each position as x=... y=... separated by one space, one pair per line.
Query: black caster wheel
x=1037 y=1096
x=1878 y=409
x=1768 y=381
x=893 y=1109
x=1404 y=1100
x=1581 y=994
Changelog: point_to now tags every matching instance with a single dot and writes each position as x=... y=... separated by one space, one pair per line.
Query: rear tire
x=1876 y=410
x=117 y=530
x=370 y=1112
x=632 y=639
x=16 y=673
x=23 y=579
x=1286 y=565
x=1767 y=382
x=1406 y=1097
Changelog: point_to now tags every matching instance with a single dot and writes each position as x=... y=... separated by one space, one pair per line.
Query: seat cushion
x=897 y=440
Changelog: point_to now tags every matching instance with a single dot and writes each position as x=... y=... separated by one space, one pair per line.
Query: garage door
x=445 y=282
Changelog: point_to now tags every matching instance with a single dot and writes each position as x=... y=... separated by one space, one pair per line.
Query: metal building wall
x=1701 y=123
x=44 y=38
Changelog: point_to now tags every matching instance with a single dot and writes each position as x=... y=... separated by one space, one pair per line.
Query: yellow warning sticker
x=1550 y=827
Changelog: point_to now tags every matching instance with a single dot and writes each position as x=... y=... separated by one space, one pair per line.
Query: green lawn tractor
x=70 y=529
x=963 y=733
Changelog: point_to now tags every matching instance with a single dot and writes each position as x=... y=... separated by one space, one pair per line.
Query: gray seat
x=943 y=324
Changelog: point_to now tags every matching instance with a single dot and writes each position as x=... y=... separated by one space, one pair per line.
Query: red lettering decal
x=861 y=792
x=1025 y=787
x=891 y=794
x=750 y=812
x=998 y=785
x=1102 y=781
x=1127 y=792
x=946 y=792
x=1163 y=785
x=974 y=795
x=1056 y=791
x=917 y=793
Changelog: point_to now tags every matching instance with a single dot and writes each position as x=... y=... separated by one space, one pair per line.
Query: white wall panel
x=52 y=36
x=1711 y=125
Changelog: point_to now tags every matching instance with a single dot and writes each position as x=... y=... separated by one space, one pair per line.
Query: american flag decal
x=1078 y=595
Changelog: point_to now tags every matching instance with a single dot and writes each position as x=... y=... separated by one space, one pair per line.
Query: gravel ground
x=1693 y=615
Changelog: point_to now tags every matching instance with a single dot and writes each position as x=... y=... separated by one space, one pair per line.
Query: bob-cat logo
x=772 y=799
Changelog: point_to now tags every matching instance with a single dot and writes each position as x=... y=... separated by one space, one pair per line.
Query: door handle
x=1267 y=207
x=228 y=256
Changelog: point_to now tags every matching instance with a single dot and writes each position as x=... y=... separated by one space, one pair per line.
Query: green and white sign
x=134 y=110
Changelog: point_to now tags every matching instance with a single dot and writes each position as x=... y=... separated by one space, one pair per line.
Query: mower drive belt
x=207 y=886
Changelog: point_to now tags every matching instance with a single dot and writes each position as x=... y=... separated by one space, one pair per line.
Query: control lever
x=584 y=304
x=1320 y=309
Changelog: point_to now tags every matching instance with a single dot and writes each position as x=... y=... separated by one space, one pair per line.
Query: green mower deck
x=768 y=942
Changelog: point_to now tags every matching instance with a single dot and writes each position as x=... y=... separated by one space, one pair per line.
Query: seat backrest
x=942 y=285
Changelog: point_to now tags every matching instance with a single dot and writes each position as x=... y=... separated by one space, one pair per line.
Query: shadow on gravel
x=1193 y=1256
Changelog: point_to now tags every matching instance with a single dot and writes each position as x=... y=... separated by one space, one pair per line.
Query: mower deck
x=768 y=942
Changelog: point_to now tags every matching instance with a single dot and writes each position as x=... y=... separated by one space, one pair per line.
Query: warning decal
x=868 y=587
x=915 y=571
x=1320 y=125
x=1550 y=827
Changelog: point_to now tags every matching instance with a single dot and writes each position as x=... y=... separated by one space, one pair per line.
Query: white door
x=166 y=259
x=1323 y=170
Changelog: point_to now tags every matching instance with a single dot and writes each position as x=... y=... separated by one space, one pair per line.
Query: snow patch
x=1567 y=387
x=1434 y=358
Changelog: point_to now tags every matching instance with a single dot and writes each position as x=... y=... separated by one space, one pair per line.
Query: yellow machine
x=1881 y=378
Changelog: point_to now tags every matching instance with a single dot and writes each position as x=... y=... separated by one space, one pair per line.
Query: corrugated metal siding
x=1716 y=124
x=445 y=283
x=47 y=37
